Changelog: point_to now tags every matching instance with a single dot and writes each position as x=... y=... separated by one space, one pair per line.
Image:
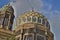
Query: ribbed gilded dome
x=32 y=17
x=31 y=13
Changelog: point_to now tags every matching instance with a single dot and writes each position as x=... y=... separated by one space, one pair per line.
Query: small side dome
x=10 y=9
x=32 y=17
x=7 y=8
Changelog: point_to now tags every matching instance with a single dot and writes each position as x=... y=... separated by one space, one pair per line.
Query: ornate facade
x=30 y=25
x=6 y=22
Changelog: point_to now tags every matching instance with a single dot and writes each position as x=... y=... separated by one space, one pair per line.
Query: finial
x=32 y=9
x=9 y=4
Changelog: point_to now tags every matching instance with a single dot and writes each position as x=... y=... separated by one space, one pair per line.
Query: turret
x=7 y=17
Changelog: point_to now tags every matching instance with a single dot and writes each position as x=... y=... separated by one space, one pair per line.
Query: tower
x=7 y=17
x=33 y=26
x=6 y=22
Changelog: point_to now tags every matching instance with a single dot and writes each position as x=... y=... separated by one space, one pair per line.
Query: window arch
x=34 y=19
x=40 y=20
x=5 y=22
x=28 y=18
x=43 y=21
x=47 y=24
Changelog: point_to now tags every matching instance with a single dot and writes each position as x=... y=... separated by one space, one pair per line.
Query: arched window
x=40 y=37
x=28 y=18
x=43 y=21
x=28 y=37
x=33 y=19
x=5 y=22
x=47 y=24
x=40 y=20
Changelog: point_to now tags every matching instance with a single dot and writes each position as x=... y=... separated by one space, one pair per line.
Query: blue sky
x=49 y=8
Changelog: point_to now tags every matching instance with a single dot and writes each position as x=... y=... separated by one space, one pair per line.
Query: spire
x=9 y=4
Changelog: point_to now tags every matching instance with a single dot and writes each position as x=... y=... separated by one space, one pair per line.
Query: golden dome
x=31 y=17
x=31 y=13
